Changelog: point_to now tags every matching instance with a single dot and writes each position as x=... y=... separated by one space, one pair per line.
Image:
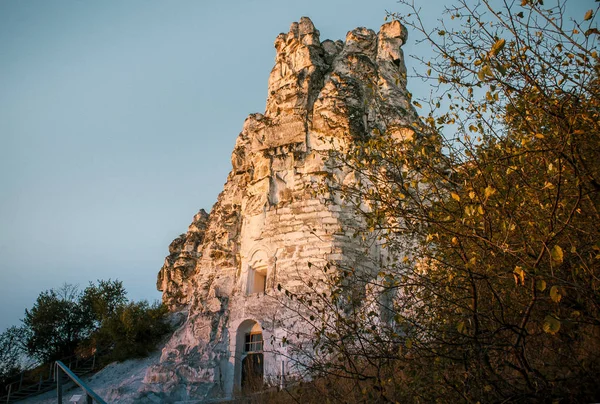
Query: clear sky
x=117 y=121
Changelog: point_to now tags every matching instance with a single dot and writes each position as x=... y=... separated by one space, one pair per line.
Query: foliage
x=11 y=354
x=56 y=324
x=103 y=300
x=66 y=321
x=492 y=287
x=133 y=331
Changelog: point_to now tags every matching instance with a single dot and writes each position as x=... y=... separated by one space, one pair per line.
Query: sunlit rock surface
x=268 y=222
x=180 y=264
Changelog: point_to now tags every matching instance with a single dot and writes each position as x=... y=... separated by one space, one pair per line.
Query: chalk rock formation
x=180 y=264
x=268 y=223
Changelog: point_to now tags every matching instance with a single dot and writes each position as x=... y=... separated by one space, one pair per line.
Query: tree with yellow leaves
x=496 y=298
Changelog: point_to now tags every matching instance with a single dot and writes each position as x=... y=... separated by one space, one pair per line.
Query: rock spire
x=267 y=223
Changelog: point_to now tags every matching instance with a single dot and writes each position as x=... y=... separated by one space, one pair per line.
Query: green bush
x=56 y=324
x=103 y=300
x=133 y=331
x=10 y=355
x=65 y=321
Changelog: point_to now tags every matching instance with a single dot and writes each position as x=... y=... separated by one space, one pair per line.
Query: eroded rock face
x=268 y=223
x=180 y=264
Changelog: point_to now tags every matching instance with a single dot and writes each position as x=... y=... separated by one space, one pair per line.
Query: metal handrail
x=9 y=387
x=90 y=395
x=17 y=385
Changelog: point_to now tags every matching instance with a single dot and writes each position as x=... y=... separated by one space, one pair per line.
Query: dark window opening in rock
x=396 y=62
x=253 y=342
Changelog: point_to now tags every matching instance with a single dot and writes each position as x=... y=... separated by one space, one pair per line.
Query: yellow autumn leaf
x=497 y=47
x=455 y=196
x=555 y=294
x=551 y=325
x=588 y=15
x=485 y=72
x=519 y=275
x=541 y=285
x=556 y=254
x=489 y=191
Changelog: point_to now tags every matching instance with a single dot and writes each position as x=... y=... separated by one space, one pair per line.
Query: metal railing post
x=59 y=395
x=21 y=381
x=91 y=396
x=9 y=391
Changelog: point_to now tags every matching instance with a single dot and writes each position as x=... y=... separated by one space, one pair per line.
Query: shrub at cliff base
x=133 y=331
x=66 y=321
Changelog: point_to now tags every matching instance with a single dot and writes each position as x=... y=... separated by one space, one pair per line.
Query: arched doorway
x=250 y=358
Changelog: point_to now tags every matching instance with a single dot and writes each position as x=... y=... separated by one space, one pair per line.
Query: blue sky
x=117 y=121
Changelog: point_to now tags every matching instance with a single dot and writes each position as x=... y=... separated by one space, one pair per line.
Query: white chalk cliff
x=268 y=222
